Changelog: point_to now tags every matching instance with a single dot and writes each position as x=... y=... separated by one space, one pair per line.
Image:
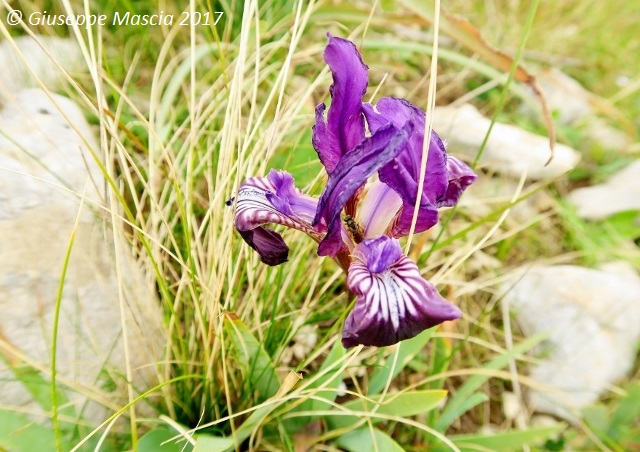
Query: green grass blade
x=54 y=336
x=505 y=441
x=260 y=371
x=452 y=410
x=406 y=351
x=329 y=381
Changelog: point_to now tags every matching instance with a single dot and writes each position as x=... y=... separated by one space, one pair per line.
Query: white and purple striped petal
x=273 y=199
x=393 y=302
x=344 y=127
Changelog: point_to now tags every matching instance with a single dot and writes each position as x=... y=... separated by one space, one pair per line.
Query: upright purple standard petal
x=402 y=174
x=460 y=177
x=273 y=199
x=349 y=176
x=344 y=128
x=393 y=301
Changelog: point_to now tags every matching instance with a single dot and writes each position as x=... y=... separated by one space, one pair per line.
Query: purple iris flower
x=372 y=154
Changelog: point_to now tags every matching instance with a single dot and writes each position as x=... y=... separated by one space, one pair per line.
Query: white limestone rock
x=43 y=142
x=509 y=150
x=592 y=318
x=598 y=131
x=620 y=193
x=45 y=168
x=24 y=60
x=486 y=194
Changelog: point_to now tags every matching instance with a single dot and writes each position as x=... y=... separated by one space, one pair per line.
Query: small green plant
x=617 y=426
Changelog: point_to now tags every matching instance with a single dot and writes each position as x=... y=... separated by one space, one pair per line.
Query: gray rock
x=598 y=131
x=45 y=170
x=486 y=194
x=620 y=193
x=509 y=150
x=592 y=318
x=24 y=60
x=43 y=143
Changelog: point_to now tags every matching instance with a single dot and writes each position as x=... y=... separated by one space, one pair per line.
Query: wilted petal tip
x=460 y=177
x=268 y=244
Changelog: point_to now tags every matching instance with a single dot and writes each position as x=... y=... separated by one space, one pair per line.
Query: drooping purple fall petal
x=393 y=302
x=268 y=244
x=344 y=128
x=273 y=199
x=460 y=177
x=349 y=176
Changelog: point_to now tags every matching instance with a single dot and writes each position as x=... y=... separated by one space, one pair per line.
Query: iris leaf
x=366 y=439
x=330 y=380
x=253 y=358
x=20 y=434
x=210 y=443
x=402 y=405
x=505 y=441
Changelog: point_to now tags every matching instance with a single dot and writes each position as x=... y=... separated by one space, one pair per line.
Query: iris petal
x=344 y=127
x=349 y=176
x=460 y=177
x=403 y=172
x=393 y=302
x=269 y=245
x=273 y=199
x=378 y=208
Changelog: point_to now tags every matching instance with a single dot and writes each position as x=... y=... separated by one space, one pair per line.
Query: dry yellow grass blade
x=606 y=107
x=466 y=34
